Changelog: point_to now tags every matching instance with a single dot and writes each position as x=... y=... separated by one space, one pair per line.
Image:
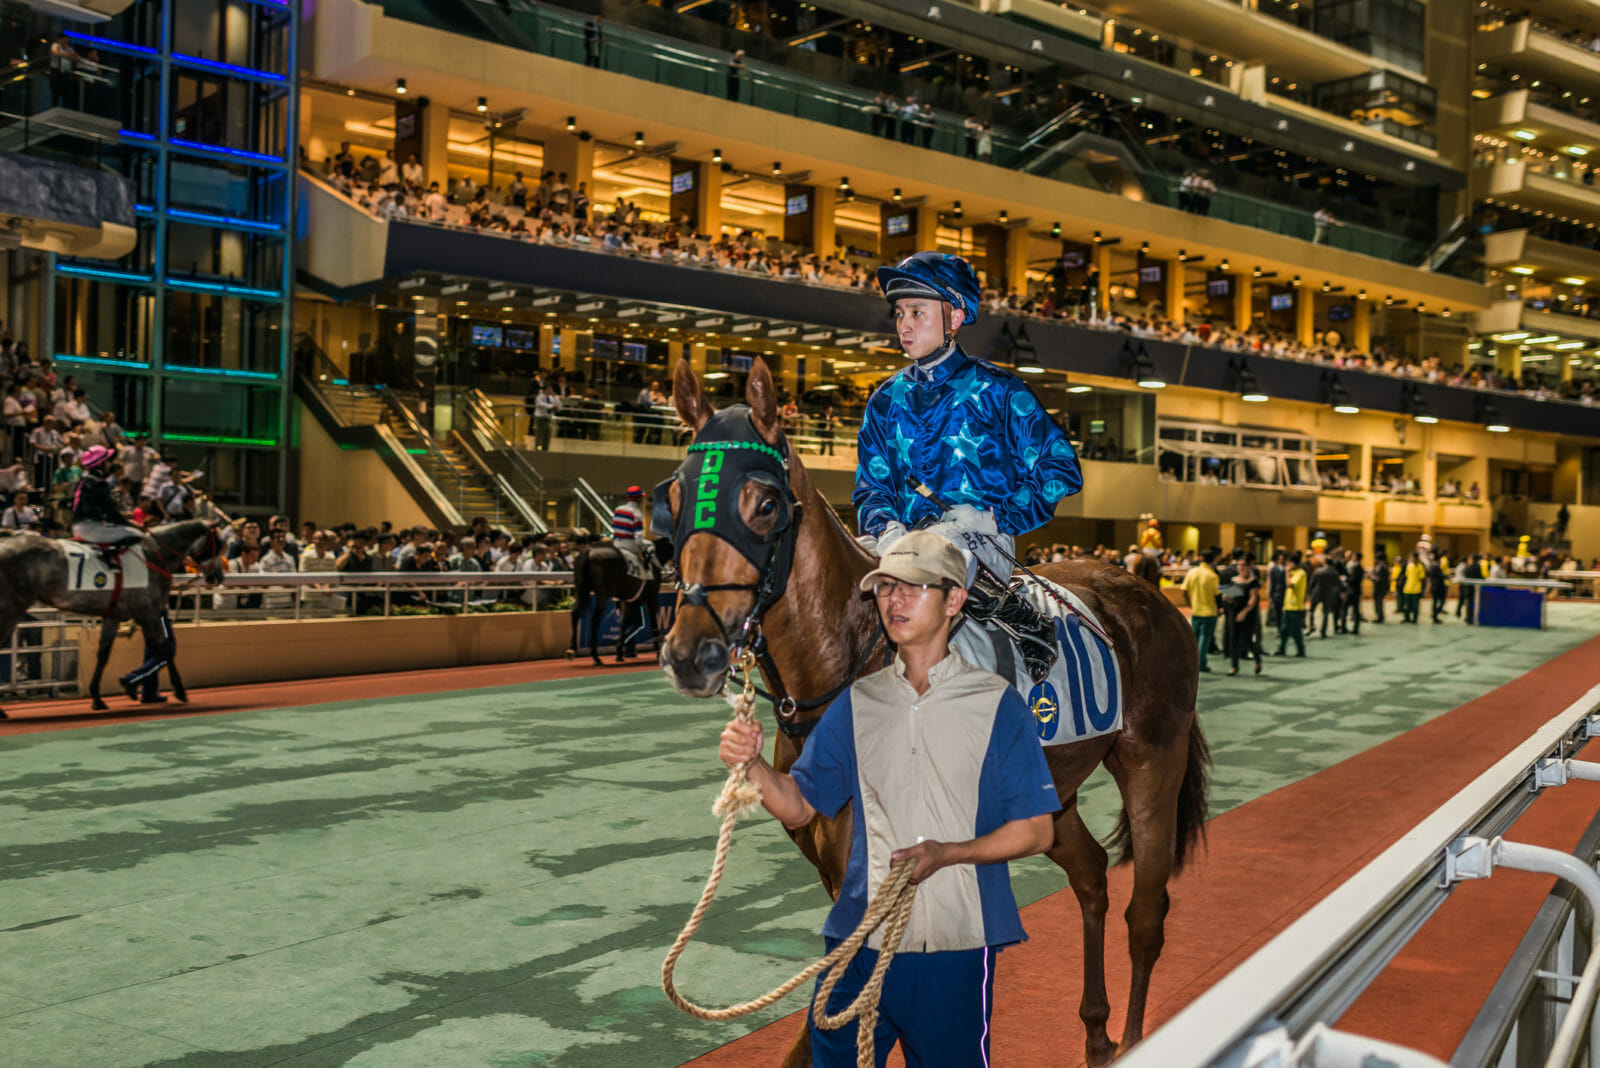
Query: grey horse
x=34 y=569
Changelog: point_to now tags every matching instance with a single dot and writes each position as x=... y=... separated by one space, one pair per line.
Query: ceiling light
x=1542 y=339
x=1520 y=270
x=1223 y=265
x=638 y=139
x=777 y=168
x=483 y=103
x=1576 y=150
x=572 y=123
x=896 y=192
x=716 y=155
x=1079 y=389
x=1574 y=281
x=1144 y=246
x=400 y=86
x=1569 y=345
x=1524 y=135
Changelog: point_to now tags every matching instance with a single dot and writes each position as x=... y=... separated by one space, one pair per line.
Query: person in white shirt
x=434 y=204
x=13 y=478
x=412 y=173
x=388 y=173
x=278 y=560
x=21 y=515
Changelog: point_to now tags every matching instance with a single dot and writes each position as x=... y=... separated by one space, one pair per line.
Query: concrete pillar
x=707 y=198
x=824 y=202
x=697 y=357
x=569 y=349
x=1369 y=542
x=1362 y=455
x=1361 y=330
x=1430 y=463
x=1302 y=538
x=1242 y=286
x=1227 y=536
x=436 y=145
x=1508 y=359
x=1174 y=295
x=1305 y=313
x=567 y=152
x=927 y=217
x=1016 y=258
x=1102 y=265
x=1564 y=362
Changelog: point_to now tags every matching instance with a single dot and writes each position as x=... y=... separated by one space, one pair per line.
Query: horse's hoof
x=571 y=655
x=181 y=696
x=3 y=714
x=99 y=705
x=598 y=662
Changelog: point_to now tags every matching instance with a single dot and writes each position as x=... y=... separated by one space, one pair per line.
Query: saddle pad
x=87 y=570
x=1082 y=697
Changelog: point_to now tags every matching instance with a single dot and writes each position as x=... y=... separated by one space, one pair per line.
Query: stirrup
x=994 y=603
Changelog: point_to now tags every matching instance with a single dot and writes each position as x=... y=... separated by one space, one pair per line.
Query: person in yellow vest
x=1411 y=590
x=1294 y=608
x=1200 y=588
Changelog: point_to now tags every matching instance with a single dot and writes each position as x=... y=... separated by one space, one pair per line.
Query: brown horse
x=820 y=628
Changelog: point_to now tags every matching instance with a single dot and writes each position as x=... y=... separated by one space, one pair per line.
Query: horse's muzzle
x=700 y=671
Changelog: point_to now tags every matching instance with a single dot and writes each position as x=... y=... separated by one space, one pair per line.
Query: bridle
x=168 y=559
x=728 y=452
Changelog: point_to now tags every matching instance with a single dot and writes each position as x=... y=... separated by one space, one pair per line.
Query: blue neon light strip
x=221 y=287
x=145 y=209
x=222 y=150
x=101 y=272
x=136 y=135
x=224 y=372
x=111 y=45
x=103 y=361
x=222 y=220
x=226 y=68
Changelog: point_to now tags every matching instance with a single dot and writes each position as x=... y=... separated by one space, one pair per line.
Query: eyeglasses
x=885 y=589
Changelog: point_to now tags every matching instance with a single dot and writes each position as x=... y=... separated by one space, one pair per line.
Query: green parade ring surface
x=493 y=876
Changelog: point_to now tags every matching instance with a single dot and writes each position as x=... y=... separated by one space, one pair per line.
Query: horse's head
x=732 y=514
x=206 y=550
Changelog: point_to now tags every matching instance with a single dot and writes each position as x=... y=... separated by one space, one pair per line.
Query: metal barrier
x=321 y=595
x=39 y=660
x=1277 y=1008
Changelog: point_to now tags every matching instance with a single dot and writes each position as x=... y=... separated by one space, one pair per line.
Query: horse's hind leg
x=1084 y=861
x=1151 y=789
x=102 y=653
x=597 y=616
x=8 y=625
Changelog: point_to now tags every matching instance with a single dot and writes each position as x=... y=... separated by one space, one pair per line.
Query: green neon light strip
x=208 y=439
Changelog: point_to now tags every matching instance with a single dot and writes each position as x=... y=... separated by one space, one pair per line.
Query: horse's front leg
x=102 y=653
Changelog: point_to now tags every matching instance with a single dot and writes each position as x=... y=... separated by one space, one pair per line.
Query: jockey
x=627 y=529
x=974 y=435
x=96 y=519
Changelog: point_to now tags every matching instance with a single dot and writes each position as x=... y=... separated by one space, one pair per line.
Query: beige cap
x=922 y=558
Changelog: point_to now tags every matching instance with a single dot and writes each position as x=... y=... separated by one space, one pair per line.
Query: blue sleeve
x=826 y=769
x=876 y=494
x=1021 y=780
x=1047 y=466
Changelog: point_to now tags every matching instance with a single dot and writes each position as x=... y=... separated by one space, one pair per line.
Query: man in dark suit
x=1380 y=585
x=1277 y=584
x=1326 y=590
x=1438 y=586
x=1354 y=576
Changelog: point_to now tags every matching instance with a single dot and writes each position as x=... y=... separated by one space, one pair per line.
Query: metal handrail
x=1285 y=997
x=398 y=411
x=590 y=498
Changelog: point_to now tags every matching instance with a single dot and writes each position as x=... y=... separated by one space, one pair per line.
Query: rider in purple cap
x=96 y=519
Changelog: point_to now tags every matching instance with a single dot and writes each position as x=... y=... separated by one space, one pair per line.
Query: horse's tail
x=1193 y=805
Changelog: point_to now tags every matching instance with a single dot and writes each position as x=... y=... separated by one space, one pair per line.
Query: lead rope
x=890 y=908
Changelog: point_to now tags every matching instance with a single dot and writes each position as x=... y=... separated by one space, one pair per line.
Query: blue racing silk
x=974 y=434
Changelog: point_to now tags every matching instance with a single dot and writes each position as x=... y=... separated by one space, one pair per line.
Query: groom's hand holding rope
x=741 y=746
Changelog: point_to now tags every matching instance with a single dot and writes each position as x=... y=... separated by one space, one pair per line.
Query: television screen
x=520 y=339
x=488 y=336
x=1219 y=287
x=1149 y=275
x=683 y=181
x=605 y=348
x=798 y=204
x=1339 y=313
x=1281 y=301
x=1074 y=260
x=738 y=361
x=895 y=225
x=635 y=352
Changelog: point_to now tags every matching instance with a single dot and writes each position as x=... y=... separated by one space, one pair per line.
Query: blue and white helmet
x=933 y=276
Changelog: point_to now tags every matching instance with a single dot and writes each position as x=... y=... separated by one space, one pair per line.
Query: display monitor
x=487 y=336
x=1281 y=301
x=798 y=204
x=635 y=352
x=1149 y=275
x=1219 y=287
x=895 y=225
x=683 y=181
x=1339 y=313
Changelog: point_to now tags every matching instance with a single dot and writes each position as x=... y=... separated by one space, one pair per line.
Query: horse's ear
x=694 y=407
x=762 y=396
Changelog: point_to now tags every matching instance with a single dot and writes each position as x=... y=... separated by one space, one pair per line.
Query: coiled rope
x=890 y=908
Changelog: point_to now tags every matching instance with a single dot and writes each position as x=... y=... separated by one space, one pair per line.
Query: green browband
x=717 y=446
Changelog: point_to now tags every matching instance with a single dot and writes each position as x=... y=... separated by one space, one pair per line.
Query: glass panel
x=238 y=190
x=224 y=332
x=127 y=396
x=103 y=320
x=196 y=251
x=227 y=413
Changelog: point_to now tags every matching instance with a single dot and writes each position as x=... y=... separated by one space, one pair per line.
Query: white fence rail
x=1278 y=1008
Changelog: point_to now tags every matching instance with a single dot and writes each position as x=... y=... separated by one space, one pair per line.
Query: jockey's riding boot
x=991 y=602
